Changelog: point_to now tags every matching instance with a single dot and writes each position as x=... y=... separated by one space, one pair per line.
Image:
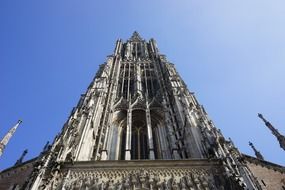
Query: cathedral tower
x=139 y=127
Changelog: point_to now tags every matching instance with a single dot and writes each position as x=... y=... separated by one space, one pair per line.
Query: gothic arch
x=139 y=142
x=118 y=122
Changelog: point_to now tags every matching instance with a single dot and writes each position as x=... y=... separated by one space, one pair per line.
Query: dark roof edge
x=264 y=163
x=17 y=166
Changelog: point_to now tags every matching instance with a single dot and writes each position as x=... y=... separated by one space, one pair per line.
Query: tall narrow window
x=139 y=143
x=123 y=144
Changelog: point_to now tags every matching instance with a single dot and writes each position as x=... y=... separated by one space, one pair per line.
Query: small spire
x=8 y=136
x=46 y=147
x=20 y=160
x=275 y=132
x=136 y=36
x=256 y=152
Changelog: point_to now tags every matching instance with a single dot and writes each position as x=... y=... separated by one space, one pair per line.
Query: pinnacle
x=136 y=36
x=260 y=115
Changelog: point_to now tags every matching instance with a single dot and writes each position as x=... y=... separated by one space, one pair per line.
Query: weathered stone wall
x=15 y=176
x=270 y=177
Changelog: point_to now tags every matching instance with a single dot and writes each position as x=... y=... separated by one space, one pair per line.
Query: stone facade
x=270 y=176
x=15 y=177
x=139 y=127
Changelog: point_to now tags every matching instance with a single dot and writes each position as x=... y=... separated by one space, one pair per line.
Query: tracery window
x=139 y=141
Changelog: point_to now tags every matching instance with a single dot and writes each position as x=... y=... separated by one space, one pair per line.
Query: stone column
x=170 y=133
x=149 y=135
x=139 y=80
x=104 y=153
x=128 y=135
x=165 y=152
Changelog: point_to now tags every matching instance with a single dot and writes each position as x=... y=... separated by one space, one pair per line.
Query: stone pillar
x=170 y=133
x=83 y=123
x=104 y=153
x=128 y=135
x=149 y=135
x=164 y=144
x=118 y=47
x=139 y=80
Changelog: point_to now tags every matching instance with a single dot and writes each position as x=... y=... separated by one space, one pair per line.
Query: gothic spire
x=20 y=160
x=274 y=131
x=8 y=136
x=46 y=147
x=136 y=36
x=256 y=152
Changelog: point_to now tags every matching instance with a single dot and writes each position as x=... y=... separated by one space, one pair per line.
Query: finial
x=136 y=36
x=256 y=152
x=231 y=141
x=20 y=160
x=46 y=147
x=261 y=117
x=275 y=132
x=135 y=33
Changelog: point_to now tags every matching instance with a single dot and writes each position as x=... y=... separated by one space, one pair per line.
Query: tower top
x=136 y=36
x=256 y=152
x=275 y=132
x=8 y=136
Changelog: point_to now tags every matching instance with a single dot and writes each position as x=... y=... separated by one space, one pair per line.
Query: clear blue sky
x=230 y=53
